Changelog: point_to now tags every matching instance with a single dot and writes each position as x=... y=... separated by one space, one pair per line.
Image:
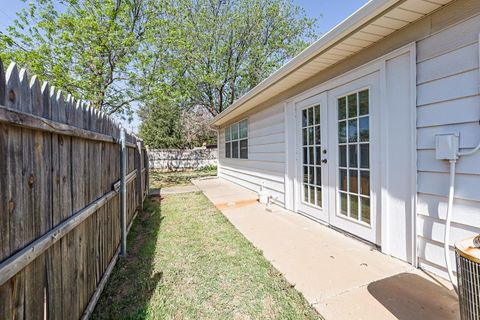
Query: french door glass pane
x=342 y=154
x=352 y=131
x=354 y=207
x=365 y=205
x=319 y=196
x=342 y=108
x=311 y=144
x=310 y=116
x=365 y=183
x=354 y=158
x=343 y=204
x=364 y=156
x=364 y=129
x=353 y=183
x=352 y=155
x=352 y=105
x=363 y=103
x=342 y=132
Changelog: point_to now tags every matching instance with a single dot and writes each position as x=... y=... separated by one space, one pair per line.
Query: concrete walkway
x=341 y=277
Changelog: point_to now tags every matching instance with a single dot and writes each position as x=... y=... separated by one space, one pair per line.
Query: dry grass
x=186 y=261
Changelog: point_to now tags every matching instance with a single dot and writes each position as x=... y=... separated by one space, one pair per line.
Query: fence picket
x=48 y=175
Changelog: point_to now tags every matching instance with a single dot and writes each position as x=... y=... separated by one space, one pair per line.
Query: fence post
x=123 y=195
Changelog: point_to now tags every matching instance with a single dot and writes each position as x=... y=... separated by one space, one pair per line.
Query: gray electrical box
x=446 y=146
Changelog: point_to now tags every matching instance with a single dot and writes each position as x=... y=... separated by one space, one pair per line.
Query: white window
x=236 y=140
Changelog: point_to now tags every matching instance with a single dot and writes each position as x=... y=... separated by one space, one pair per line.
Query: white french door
x=338 y=158
x=354 y=159
x=311 y=157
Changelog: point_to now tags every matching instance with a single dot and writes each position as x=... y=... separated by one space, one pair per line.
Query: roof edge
x=367 y=12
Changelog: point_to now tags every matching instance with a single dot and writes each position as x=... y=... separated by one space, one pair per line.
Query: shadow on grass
x=134 y=279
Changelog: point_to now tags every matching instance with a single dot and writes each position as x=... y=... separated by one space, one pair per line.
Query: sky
x=329 y=13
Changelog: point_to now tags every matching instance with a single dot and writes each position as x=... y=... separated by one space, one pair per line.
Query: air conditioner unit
x=468 y=277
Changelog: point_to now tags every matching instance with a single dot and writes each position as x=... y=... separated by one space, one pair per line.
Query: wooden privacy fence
x=60 y=219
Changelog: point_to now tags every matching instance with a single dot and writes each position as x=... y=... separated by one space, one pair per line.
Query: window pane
x=318 y=136
x=343 y=179
x=305 y=137
x=244 y=149
x=365 y=203
x=363 y=97
x=343 y=204
x=319 y=196
x=305 y=193
x=365 y=183
x=342 y=132
x=353 y=186
x=311 y=175
x=305 y=174
x=343 y=156
x=310 y=116
x=352 y=131
x=227 y=134
x=305 y=155
x=311 y=155
x=304 y=117
x=353 y=206
x=228 y=152
x=312 y=195
x=310 y=136
x=352 y=105
x=318 y=174
x=317 y=114
x=234 y=149
x=318 y=155
x=364 y=156
x=235 y=131
x=364 y=129
x=243 y=129
x=352 y=155
x=342 y=108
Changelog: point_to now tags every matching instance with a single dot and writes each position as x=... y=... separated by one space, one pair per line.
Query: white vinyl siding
x=447 y=101
x=266 y=154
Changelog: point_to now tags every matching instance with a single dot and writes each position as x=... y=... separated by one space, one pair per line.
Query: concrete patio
x=341 y=277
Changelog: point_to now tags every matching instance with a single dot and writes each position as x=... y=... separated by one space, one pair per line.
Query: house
x=345 y=133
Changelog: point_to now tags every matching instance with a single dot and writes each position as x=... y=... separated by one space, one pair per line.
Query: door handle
x=324 y=161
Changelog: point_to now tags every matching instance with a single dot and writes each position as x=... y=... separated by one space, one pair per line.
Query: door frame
x=378 y=64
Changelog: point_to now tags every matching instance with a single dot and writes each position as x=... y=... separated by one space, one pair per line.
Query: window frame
x=230 y=141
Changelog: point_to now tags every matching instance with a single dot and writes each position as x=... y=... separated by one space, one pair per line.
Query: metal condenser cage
x=468 y=275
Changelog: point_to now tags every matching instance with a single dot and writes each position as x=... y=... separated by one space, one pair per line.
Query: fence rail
x=59 y=199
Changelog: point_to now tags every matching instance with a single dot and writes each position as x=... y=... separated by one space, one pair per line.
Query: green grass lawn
x=186 y=261
x=159 y=179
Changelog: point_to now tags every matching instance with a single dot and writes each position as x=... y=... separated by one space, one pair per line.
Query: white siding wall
x=266 y=154
x=447 y=101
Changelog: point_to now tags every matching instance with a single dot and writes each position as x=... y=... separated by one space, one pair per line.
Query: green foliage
x=209 y=52
x=162 y=128
x=84 y=47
